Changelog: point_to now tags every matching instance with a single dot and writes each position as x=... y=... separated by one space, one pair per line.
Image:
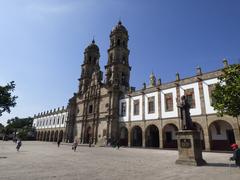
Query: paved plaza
x=44 y=160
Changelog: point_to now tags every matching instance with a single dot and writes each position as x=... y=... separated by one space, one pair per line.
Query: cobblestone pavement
x=44 y=160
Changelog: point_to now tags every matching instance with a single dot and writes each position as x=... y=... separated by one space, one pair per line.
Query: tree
x=7 y=100
x=22 y=127
x=1 y=127
x=226 y=95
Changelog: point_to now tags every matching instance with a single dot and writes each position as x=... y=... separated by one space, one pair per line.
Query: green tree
x=7 y=100
x=226 y=95
x=22 y=127
x=1 y=128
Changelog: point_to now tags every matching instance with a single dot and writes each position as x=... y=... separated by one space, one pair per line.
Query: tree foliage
x=7 y=100
x=1 y=128
x=21 y=128
x=226 y=95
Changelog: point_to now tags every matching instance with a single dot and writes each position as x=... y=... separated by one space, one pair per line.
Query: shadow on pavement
x=220 y=165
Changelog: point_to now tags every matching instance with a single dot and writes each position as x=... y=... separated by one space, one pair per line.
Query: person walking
x=59 y=142
x=118 y=144
x=74 y=146
x=236 y=155
x=19 y=144
x=90 y=142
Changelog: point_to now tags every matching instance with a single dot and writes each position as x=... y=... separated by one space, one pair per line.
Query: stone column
x=206 y=135
x=129 y=137
x=201 y=95
x=143 y=137
x=160 y=119
x=236 y=130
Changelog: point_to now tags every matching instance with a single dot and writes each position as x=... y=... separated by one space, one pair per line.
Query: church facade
x=110 y=110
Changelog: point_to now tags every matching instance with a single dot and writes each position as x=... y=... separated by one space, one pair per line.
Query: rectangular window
x=151 y=104
x=62 y=119
x=136 y=107
x=168 y=102
x=211 y=87
x=123 y=109
x=189 y=93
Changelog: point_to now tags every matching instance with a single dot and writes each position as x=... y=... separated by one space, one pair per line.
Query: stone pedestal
x=189 y=148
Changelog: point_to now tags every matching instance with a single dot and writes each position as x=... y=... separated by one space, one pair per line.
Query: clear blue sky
x=42 y=42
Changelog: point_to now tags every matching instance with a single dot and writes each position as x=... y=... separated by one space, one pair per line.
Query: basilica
x=107 y=109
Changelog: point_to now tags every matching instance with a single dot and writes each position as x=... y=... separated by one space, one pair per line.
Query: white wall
x=136 y=117
x=156 y=113
x=169 y=114
x=124 y=118
x=206 y=83
x=47 y=119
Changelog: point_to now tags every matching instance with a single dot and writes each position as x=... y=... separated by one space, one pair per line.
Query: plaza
x=44 y=160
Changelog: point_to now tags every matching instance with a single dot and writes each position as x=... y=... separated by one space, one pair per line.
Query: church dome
x=92 y=46
x=119 y=28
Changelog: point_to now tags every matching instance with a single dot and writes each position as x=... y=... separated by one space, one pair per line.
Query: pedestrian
x=90 y=142
x=74 y=146
x=59 y=142
x=19 y=144
x=236 y=155
x=118 y=143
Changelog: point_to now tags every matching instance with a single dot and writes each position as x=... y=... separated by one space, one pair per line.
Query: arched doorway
x=169 y=136
x=38 y=135
x=45 y=136
x=152 y=136
x=136 y=136
x=56 y=136
x=221 y=135
x=41 y=136
x=198 y=127
x=124 y=136
x=61 y=135
x=88 y=135
x=52 y=136
x=48 y=136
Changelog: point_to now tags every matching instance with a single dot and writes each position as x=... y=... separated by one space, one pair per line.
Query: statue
x=186 y=121
x=152 y=80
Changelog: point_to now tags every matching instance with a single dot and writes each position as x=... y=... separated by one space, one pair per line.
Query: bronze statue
x=186 y=121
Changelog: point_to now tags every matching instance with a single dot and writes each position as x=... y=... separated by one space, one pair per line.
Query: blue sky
x=42 y=42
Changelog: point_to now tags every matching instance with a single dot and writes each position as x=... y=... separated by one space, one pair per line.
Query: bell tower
x=117 y=76
x=117 y=68
x=90 y=64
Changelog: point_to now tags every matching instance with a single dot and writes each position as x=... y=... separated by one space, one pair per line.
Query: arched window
x=123 y=43
x=90 y=59
x=118 y=42
x=90 y=109
x=124 y=60
x=123 y=78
